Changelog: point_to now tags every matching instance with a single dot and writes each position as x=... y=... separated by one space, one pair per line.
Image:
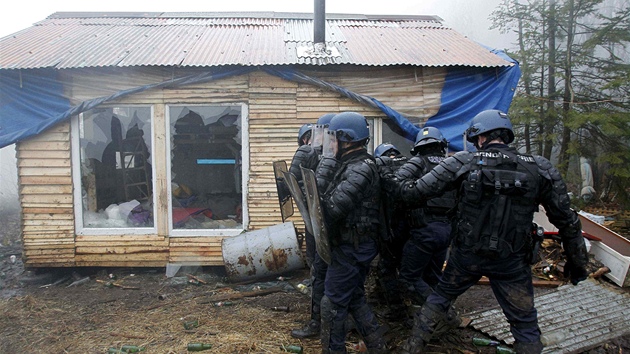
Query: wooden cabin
x=144 y=139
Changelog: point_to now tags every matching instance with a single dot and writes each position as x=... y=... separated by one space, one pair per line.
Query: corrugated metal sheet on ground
x=574 y=317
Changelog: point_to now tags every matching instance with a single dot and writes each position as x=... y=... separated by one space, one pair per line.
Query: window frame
x=245 y=163
x=75 y=146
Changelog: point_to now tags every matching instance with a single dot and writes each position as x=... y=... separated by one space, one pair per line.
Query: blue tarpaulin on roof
x=468 y=91
x=32 y=101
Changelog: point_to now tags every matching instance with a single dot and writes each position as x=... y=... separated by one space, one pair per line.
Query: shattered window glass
x=206 y=167
x=116 y=176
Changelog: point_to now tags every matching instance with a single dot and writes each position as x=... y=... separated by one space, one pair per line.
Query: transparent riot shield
x=298 y=197
x=320 y=233
x=317 y=135
x=330 y=144
x=284 y=196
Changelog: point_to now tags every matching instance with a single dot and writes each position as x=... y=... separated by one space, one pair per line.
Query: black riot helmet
x=490 y=121
x=429 y=137
x=304 y=133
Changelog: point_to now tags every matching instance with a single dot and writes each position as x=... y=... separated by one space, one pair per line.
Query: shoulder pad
x=414 y=168
x=464 y=157
x=365 y=166
x=458 y=164
x=542 y=162
x=545 y=168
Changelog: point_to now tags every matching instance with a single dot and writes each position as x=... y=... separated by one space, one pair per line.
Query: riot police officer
x=350 y=182
x=500 y=191
x=391 y=243
x=424 y=254
x=308 y=155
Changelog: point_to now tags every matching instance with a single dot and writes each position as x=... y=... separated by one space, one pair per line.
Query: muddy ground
x=40 y=312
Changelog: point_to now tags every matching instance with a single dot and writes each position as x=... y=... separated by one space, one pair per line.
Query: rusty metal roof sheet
x=81 y=40
x=572 y=318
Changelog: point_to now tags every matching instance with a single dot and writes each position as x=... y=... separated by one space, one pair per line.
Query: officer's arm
x=300 y=157
x=325 y=172
x=414 y=168
x=347 y=195
x=385 y=165
x=439 y=179
x=555 y=200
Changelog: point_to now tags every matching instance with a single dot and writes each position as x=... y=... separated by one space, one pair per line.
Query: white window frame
x=80 y=229
x=244 y=175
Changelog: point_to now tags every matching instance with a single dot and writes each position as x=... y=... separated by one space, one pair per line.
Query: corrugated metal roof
x=80 y=40
x=572 y=318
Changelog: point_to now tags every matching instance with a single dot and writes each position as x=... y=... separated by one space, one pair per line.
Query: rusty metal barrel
x=262 y=253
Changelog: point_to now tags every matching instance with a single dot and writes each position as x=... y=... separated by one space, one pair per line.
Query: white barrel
x=262 y=253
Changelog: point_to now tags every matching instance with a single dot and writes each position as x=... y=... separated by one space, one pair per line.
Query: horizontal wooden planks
x=276 y=110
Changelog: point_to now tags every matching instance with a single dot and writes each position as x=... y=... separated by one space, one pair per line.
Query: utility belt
x=363 y=231
x=421 y=217
x=436 y=216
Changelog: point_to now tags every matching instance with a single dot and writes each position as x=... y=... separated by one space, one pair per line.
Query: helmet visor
x=317 y=138
x=330 y=147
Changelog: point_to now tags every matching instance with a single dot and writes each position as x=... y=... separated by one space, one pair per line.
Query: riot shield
x=284 y=196
x=298 y=197
x=320 y=233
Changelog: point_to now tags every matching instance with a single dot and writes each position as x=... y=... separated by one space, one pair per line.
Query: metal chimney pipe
x=319 y=22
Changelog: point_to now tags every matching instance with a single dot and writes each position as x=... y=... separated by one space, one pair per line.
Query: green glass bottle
x=197 y=347
x=485 y=342
x=191 y=324
x=504 y=350
x=131 y=348
x=292 y=349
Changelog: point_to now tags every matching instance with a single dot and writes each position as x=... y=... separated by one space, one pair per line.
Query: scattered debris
x=57 y=282
x=281 y=308
x=601 y=271
x=197 y=279
x=240 y=295
x=79 y=282
x=110 y=284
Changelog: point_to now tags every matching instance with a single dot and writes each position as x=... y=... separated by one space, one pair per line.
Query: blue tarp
x=32 y=101
x=29 y=102
x=468 y=91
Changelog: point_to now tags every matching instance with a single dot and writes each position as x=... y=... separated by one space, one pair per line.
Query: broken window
x=115 y=167
x=383 y=130
x=392 y=134
x=206 y=171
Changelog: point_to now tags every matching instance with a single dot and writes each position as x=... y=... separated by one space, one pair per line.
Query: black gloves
x=575 y=273
x=575 y=250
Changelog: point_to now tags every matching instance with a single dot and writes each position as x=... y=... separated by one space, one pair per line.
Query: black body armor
x=499 y=198
x=352 y=200
x=499 y=176
x=307 y=157
x=436 y=208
